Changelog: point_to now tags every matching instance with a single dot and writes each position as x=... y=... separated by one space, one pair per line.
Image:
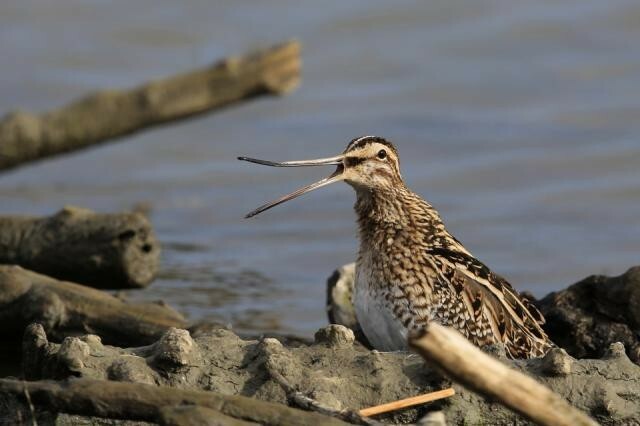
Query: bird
x=410 y=269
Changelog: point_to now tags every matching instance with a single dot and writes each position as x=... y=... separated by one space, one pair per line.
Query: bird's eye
x=382 y=154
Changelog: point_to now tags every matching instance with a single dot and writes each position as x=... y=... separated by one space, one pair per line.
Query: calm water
x=519 y=121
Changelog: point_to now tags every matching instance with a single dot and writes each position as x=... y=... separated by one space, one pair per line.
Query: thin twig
x=32 y=409
x=407 y=402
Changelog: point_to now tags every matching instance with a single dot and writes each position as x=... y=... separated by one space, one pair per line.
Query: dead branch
x=194 y=415
x=112 y=114
x=463 y=362
x=137 y=401
x=406 y=402
x=65 y=308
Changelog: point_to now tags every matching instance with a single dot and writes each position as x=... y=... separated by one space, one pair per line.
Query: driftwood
x=466 y=364
x=65 y=308
x=137 y=401
x=195 y=415
x=111 y=114
x=99 y=250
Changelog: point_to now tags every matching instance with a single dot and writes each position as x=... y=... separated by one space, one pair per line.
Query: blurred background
x=519 y=121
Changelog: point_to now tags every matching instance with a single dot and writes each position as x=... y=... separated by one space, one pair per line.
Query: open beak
x=334 y=177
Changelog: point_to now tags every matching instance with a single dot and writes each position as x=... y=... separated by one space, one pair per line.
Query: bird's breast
x=374 y=311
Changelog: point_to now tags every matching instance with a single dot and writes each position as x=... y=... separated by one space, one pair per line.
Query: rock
x=590 y=315
x=615 y=350
x=175 y=347
x=73 y=353
x=335 y=335
x=95 y=342
x=557 y=362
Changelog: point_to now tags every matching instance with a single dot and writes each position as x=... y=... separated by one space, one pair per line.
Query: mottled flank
x=411 y=270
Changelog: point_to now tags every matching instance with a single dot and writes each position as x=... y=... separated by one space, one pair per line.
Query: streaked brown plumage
x=411 y=270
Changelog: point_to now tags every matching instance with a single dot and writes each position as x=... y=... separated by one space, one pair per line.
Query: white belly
x=384 y=331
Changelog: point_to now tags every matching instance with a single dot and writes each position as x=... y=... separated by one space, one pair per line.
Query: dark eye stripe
x=354 y=161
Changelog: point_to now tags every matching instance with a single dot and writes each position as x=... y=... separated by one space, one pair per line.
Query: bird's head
x=369 y=163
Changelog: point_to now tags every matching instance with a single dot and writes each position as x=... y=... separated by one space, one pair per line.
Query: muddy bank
x=335 y=370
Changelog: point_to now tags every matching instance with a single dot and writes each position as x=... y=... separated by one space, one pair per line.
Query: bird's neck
x=397 y=210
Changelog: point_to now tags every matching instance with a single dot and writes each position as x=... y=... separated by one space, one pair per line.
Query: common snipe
x=410 y=269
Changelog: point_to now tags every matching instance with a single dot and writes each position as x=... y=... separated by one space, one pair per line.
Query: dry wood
x=194 y=415
x=137 y=401
x=111 y=114
x=99 y=250
x=449 y=351
x=407 y=402
x=65 y=308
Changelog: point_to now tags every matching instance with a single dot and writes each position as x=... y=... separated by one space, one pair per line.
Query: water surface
x=518 y=120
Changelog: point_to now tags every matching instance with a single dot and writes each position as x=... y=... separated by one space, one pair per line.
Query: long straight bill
x=335 y=177
x=301 y=163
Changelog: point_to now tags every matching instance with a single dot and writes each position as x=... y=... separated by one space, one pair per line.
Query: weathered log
x=450 y=352
x=137 y=401
x=194 y=415
x=99 y=250
x=65 y=308
x=111 y=114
